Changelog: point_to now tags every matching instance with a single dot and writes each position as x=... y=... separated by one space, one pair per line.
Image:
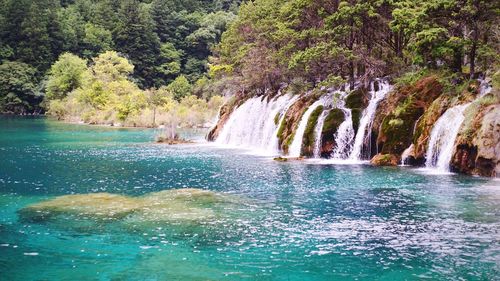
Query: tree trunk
x=154 y=116
x=472 y=54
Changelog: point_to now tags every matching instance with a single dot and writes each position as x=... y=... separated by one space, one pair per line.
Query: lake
x=250 y=218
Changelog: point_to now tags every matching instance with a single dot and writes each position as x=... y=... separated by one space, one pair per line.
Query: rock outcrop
x=224 y=114
x=399 y=113
x=478 y=143
x=291 y=121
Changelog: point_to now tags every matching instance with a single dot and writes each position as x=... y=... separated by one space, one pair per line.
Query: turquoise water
x=296 y=221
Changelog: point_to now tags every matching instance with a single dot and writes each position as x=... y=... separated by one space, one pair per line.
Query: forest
x=208 y=48
x=46 y=46
x=308 y=43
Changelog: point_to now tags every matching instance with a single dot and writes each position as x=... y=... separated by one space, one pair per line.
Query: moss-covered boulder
x=309 y=138
x=401 y=111
x=332 y=122
x=357 y=98
x=385 y=160
x=292 y=119
x=357 y=101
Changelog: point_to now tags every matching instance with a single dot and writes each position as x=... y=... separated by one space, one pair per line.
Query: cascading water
x=274 y=143
x=252 y=124
x=345 y=133
x=363 y=136
x=350 y=144
x=317 y=133
x=296 y=146
x=444 y=134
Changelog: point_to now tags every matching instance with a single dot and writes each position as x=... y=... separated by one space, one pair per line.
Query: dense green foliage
x=102 y=93
x=280 y=41
x=18 y=87
x=162 y=39
x=303 y=43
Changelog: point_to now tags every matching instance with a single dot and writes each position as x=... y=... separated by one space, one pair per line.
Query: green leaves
x=17 y=87
x=66 y=75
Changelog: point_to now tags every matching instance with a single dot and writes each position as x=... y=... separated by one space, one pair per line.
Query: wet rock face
x=400 y=111
x=478 y=147
x=332 y=123
x=425 y=124
x=224 y=114
x=291 y=121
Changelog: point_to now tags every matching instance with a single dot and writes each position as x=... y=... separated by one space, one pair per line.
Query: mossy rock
x=281 y=159
x=332 y=122
x=357 y=99
x=309 y=138
x=385 y=160
x=291 y=121
x=408 y=104
x=356 y=118
x=396 y=132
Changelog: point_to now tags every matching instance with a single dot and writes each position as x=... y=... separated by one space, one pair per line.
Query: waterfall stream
x=442 y=139
x=317 y=133
x=350 y=144
x=444 y=134
x=345 y=133
x=363 y=136
x=296 y=146
x=252 y=125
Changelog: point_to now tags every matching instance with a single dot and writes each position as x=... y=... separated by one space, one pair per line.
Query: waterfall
x=406 y=155
x=296 y=146
x=442 y=140
x=345 y=133
x=252 y=125
x=274 y=143
x=363 y=136
x=317 y=133
x=444 y=134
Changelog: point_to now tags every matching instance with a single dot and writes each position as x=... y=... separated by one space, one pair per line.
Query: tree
x=65 y=75
x=97 y=40
x=135 y=37
x=18 y=93
x=179 y=88
x=71 y=28
x=170 y=65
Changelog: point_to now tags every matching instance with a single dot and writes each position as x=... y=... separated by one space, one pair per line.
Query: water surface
x=296 y=221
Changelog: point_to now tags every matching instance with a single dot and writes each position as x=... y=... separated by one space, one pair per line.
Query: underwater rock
x=177 y=205
x=385 y=160
x=96 y=205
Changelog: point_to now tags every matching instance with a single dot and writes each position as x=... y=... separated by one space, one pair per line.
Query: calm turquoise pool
x=292 y=221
